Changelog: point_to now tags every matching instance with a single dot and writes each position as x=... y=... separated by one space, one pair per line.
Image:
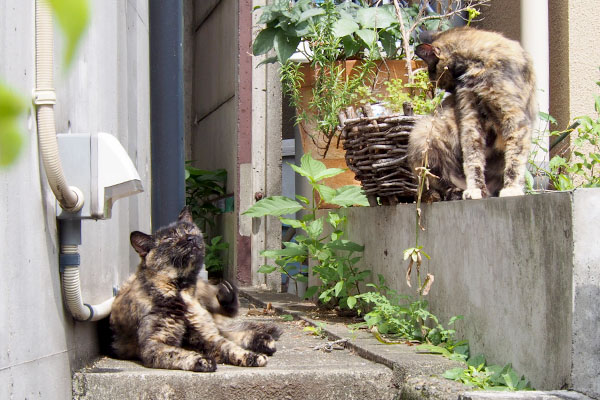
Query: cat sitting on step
x=477 y=142
x=169 y=318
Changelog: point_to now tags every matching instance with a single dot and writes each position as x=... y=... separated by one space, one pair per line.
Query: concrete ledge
x=417 y=376
x=524 y=271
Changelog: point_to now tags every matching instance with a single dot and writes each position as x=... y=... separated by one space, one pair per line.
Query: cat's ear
x=430 y=54
x=141 y=242
x=186 y=215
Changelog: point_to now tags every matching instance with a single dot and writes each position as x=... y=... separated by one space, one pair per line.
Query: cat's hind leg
x=517 y=139
x=253 y=336
x=204 y=336
x=160 y=340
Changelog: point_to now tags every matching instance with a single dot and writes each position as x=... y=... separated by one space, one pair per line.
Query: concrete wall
x=523 y=271
x=213 y=140
x=236 y=115
x=105 y=90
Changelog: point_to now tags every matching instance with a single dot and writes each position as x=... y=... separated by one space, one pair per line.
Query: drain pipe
x=166 y=110
x=70 y=198
x=535 y=40
x=70 y=239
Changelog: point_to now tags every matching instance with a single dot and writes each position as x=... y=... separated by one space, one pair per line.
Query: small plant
x=421 y=94
x=202 y=189
x=580 y=166
x=410 y=320
x=334 y=257
x=213 y=260
x=317 y=330
x=329 y=31
x=491 y=377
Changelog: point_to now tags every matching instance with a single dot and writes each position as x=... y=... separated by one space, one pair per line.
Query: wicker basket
x=376 y=152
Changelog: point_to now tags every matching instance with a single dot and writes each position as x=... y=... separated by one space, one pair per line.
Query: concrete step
x=365 y=369
x=295 y=371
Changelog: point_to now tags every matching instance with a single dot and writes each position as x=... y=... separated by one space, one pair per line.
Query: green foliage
x=317 y=330
x=399 y=316
x=478 y=374
x=73 y=17
x=583 y=159
x=213 y=260
x=335 y=257
x=11 y=137
x=202 y=188
x=353 y=27
x=420 y=94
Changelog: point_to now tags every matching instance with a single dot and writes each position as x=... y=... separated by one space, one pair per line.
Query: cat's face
x=176 y=250
x=437 y=65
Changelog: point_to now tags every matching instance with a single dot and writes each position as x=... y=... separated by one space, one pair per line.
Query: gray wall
x=105 y=90
x=523 y=271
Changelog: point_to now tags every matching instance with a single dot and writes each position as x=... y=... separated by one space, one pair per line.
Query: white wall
x=106 y=90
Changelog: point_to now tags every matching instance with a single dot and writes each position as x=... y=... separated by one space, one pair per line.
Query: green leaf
x=338 y=287
x=311 y=12
x=266 y=269
x=351 y=46
x=73 y=17
x=269 y=60
x=291 y=250
x=310 y=292
x=328 y=173
x=327 y=193
x=343 y=244
x=375 y=17
x=476 y=361
x=315 y=229
x=344 y=27
x=454 y=374
x=309 y=167
x=287 y=317
x=369 y=37
x=264 y=41
x=430 y=348
x=11 y=138
x=294 y=223
x=349 y=195
x=285 y=45
x=547 y=117
x=351 y=302
x=301 y=278
x=274 y=205
x=302 y=199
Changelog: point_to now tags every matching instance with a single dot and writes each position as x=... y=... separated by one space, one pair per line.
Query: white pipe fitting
x=72 y=291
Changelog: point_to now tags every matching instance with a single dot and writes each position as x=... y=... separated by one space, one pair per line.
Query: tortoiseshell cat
x=478 y=140
x=169 y=318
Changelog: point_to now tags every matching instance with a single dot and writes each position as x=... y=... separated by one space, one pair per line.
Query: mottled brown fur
x=478 y=141
x=168 y=318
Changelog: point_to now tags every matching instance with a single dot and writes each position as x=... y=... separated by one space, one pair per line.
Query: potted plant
x=346 y=46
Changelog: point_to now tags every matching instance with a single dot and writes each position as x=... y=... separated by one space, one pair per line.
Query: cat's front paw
x=205 y=364
x=511 y=191
x=255 y=360
x=473 y=194
x=228 y=298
